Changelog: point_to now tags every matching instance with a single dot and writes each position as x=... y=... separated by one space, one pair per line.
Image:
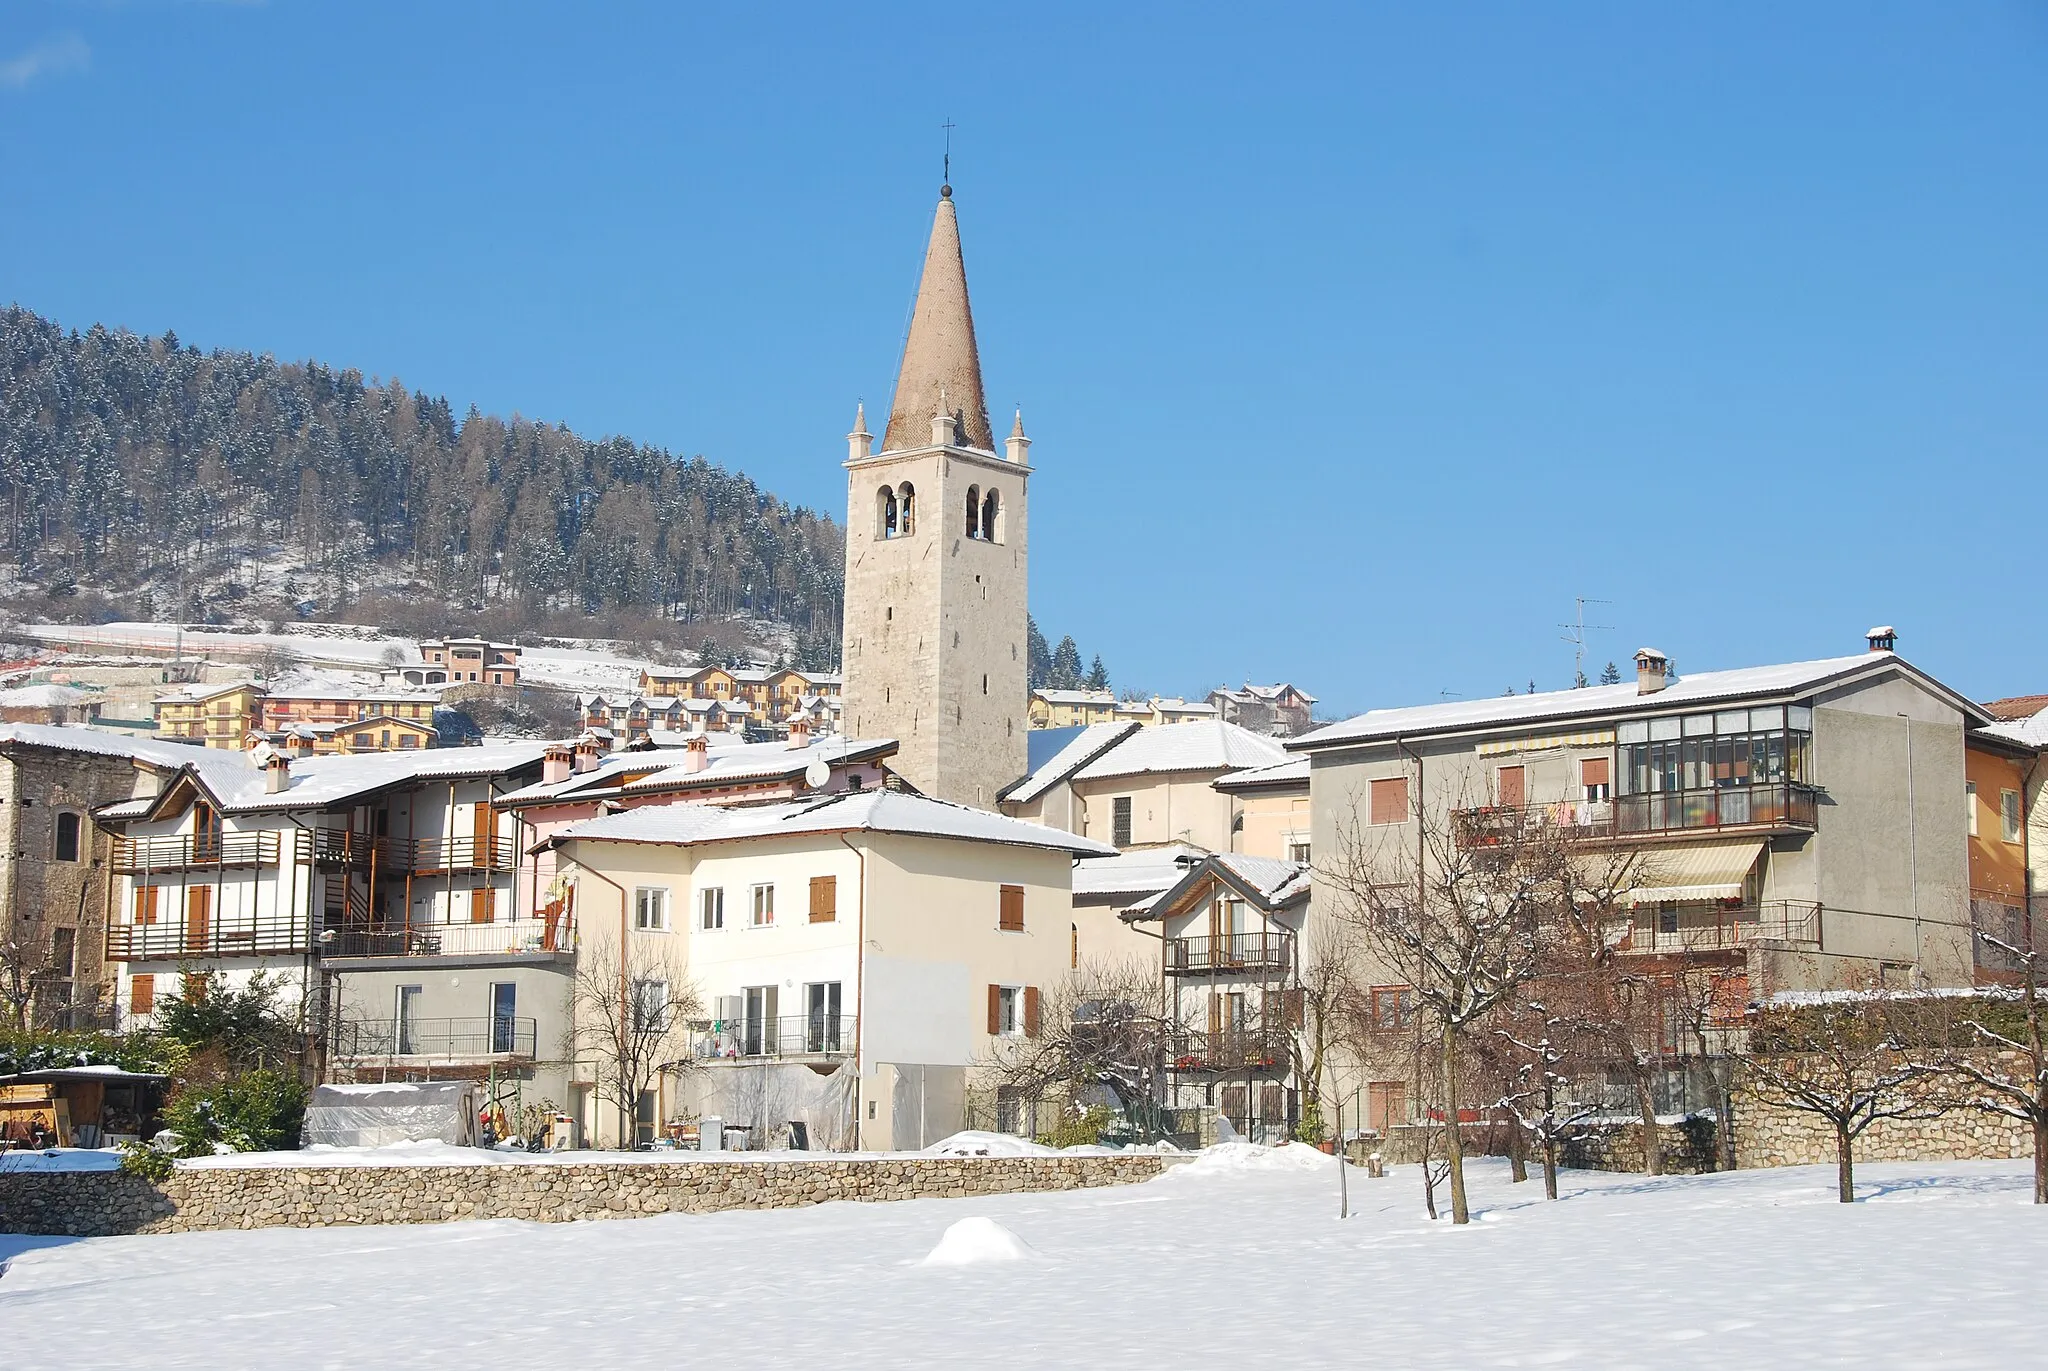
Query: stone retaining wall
x=99 y=1203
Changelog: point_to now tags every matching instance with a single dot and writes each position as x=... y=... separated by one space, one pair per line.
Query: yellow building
x=1071 y=708
x=1273 y=814
x=770 y=694
x=216 y=715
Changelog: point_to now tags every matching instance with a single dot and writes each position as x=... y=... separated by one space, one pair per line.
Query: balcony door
x=482 y=827
x=1226 y=932
x=406 y=1020
x=821 y=1016
x=205 y=833
x=757 y=1027
x=198 y=917
x=504 y=1011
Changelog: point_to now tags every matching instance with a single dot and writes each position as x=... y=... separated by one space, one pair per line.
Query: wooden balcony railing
x=1232 y=1049
x=1265 y=953
x=334 y=847
x=184 y=851
x=178 y=934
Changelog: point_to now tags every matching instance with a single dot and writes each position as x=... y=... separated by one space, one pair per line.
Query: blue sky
x=1356 y=341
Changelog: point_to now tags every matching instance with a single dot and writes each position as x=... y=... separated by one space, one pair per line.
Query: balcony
x=1232 y=1049
x=184 y=851
x=422 y=1041
x=815 y=1036
x=344 y=848
x=1231 y=954
x=1750 y=808
x=171 y=938
x=1773 y=923
x=507 y=937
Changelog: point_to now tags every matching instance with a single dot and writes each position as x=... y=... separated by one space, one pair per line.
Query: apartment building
x=1071 y=708
x=878 y=936
x=770 y=695
x=1280 y=710
x=477 y=661
x=217 y=715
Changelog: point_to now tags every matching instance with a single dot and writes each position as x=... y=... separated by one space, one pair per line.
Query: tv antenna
x=1575 y=634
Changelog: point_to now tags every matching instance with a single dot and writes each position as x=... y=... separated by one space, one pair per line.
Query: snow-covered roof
x=1293 y=771
x=2029 y=732
x=2016 y=707
x=240 y=787
x=1076 y=697
x=1202 y=745
x=1267 y=882
x=874 y=811
x=1268 y=693
x=1141 y=871
x=1708 y=687
x=727 y=763
x=44 y=697
x=78 y=738
x=1090 y=743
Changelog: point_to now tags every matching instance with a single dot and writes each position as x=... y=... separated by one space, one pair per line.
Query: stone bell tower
x=934 y=650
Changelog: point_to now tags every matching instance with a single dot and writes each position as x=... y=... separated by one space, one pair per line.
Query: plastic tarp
x=771 y=1095
x=380 y=1115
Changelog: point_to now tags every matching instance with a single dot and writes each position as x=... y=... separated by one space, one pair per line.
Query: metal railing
x=520 y=937
x=1788 y=923
x=420 y=856
x=183 y=851
x=507 y=1036
x=177 y=933
x=792 y=1035
x=1783 y=806
x=1230 y=953
x=1231 y=1049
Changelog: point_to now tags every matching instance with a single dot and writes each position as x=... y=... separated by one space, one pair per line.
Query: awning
x=1597 y=737
x=1696 y=871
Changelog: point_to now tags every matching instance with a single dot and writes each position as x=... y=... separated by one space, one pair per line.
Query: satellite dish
x=817 y=773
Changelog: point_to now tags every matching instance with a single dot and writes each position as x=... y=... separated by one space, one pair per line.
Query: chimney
x=1883 y=638
x=1651 y=666
x=277 y=773
x=697 y=753
x=799 y=734
x=588 y=751
x=555 y=763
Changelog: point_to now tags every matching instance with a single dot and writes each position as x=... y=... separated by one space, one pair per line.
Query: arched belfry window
x=991 y=518
x=906 y=510
x=974 y=511
x=886 y=513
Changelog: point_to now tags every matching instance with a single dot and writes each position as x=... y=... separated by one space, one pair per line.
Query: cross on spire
x=947 y=179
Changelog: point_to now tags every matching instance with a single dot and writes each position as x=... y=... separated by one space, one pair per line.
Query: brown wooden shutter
x=995 y=1010
x=1511 y=789
x=1390 y=800
x=145 y=904
x=1593 y=771
x=484 y=828
x=198 y=912
x=824 y=899
x=142 y=994
x=483 y=905
x=1010 y=916
x=1297 y=1008
x=1030 y=1011
x=1215 y=1013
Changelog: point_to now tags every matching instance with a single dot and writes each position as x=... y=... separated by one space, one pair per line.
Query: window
x=650 y=908
x=2009 y=814
x=1013 y=1011
x=885 y=513
x=142 y=994
x=1010 y=909
x=67 y=835
x=365 y=741
x=1389 y=801
x=711 y=907
x=1970 y=798
x=504 y=1007
x=650 y=1005
x=1393 y=1007
x=63 y=952
x=760 y=1030
x=824 y=899
x=974 y=511
x=1595 y=778
x=1120 y=821
x=1511 y=792
x=1298 y=850
x=764 y=906
x=906 y=510
x=991 y=511
x=821 y=1016
x=406 y=1020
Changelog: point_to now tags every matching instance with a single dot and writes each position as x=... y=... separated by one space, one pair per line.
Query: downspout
x=860 y=970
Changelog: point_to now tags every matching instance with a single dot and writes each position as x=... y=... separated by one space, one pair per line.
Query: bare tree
x=23 y=971
x=1327 y=979
x=1464 y=924
x=631 y=1016
x=1541 y=1097
x=1100 y=1027
x=2014 y=1087
x=1843 y=1059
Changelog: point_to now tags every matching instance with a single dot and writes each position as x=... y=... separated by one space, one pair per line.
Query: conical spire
x=939 y=356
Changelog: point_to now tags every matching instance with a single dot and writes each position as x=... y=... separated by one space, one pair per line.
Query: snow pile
x=972 y=1242
x=1236 y=1158
x=977 y=1144
x=61 y=1159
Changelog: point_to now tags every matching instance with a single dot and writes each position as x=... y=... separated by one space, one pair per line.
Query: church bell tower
x=934 y=649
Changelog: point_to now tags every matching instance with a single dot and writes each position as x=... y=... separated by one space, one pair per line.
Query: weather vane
x=948 y=126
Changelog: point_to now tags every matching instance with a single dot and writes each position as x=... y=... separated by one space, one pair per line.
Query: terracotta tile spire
x=939 y=356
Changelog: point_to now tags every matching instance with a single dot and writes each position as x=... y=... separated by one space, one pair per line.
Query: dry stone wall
x=101 y=1203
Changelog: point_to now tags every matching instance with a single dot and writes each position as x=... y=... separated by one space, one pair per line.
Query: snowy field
x=1234 y=1260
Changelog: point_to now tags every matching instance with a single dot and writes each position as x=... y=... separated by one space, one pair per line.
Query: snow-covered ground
x=1237 y=1259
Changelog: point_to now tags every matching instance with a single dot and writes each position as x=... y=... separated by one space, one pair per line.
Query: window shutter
x=1593 y=771
x=1389 y=803
x=1030 y=1011
x=1511 y=790
x=482 y=905
x=145 y=908
x=995 y=1010
x=1297 y=1007
x=1215 y=1013
x=824 y=899
x=142 y=994
x=1010 y=914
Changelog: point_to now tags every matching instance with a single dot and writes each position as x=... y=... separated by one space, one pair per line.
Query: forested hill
x=139 y=468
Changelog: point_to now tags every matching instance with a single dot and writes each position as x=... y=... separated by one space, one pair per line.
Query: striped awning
x=1597 y=737
x=1696 y=871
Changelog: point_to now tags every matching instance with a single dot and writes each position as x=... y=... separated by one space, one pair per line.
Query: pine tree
x=1610 y=674
x=1066 y=665
x=1038 y=655
x=1098 y=674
